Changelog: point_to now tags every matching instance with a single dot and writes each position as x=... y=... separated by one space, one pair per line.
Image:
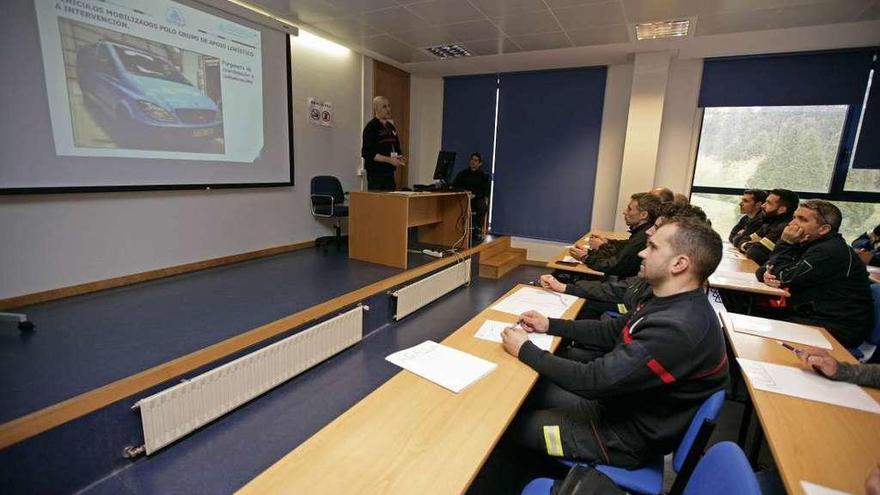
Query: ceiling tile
x=314 y=10
x=354 y=7
x=543 y=41
x=600 y=35
x=396 y=20
x=652 y=10
x=473 y=30
x=596 y=14
x=425 y=37
x=392 y=48
x=535 y=22
x=446 y=11
x=491 y=47
x=497 y=9
x=733 y=22
x=352 y=29
x=828 y=12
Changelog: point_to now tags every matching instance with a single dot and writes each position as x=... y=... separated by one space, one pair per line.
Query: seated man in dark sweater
x=828 y=283
x=778 y=210
x=477 y=182
x=630 y=394
x=750 y=206
x=619 y=258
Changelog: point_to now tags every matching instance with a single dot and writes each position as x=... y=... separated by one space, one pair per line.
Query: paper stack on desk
x=798 y=382
x=450 y=368
x=545 y=301
x=776 y=330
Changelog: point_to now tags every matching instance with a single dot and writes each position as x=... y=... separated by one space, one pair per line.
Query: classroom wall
x=426 y=127
x=52 y=241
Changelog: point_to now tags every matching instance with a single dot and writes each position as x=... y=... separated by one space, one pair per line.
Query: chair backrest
x=707 y=412
x=724 y=469
x=327 y=185
x=874 y=338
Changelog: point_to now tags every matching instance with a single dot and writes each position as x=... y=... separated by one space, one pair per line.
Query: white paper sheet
x=450 y=368
x=799 y=382
x=569 y=259
x=548 y=303
x=491 y=330
x=814 y=489
x=778 y=330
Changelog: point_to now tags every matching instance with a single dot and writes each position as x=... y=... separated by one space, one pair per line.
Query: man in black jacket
x=613 y=293
x=778 y=210
x=750 y=205
x=828 y=283
x=620 y=258
x=631 y=393
x=476 y=181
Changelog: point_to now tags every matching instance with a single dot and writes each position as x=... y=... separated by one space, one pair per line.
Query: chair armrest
x=332 y=204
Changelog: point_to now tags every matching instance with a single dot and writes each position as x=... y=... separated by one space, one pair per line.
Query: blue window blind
x=834 y=78
x=867 y=152
x=469 y=118
x=548 y=140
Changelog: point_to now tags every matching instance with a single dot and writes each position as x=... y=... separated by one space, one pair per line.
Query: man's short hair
x=664 y=193
x=759 y=195
x=787 y=198
x=699 y=242
x=478 y=155
x=671 y=211
x=649 y=203
x=827 y=212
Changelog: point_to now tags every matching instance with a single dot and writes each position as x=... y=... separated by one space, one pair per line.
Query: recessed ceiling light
x=448 y=51
x=662 y=29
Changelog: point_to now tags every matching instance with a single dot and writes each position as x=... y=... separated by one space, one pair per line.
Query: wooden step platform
x=501 y=260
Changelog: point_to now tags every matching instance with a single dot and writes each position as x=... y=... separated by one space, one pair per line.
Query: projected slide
x=151 y=80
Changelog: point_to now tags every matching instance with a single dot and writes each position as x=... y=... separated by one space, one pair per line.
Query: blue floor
x=84 y=342
x=228 y=453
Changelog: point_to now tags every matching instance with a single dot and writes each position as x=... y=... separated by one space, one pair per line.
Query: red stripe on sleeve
x=660 y=371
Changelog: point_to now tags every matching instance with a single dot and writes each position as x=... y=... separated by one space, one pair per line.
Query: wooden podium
x=378 y=223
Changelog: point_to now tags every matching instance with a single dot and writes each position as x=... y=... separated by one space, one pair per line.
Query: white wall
x=680 y=130
x=426 y=127
x=618 y=87
x=52 y=241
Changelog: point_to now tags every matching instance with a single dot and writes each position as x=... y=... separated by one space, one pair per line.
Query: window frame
x=838 y=176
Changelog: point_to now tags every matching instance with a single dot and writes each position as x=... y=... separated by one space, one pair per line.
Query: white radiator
x=179 y=410
x=414 y=296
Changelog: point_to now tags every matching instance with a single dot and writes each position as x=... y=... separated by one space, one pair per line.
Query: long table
x=379 y=223
x=411 y=436
x=812 y=441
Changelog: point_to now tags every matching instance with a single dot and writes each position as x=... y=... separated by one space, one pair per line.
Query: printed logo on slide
x=175 y=17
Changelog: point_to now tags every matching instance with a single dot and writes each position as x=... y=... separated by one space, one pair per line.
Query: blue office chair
x=649 y=479
x=724 y=469
x=864 y=352
x=328 y=200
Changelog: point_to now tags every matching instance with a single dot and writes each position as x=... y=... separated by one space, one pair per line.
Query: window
x=803 y=148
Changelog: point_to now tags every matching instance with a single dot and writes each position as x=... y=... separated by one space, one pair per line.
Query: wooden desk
x=379 y=221
x=813 y=441
x=411 y=436
x=555 y=263
x=734 y=273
